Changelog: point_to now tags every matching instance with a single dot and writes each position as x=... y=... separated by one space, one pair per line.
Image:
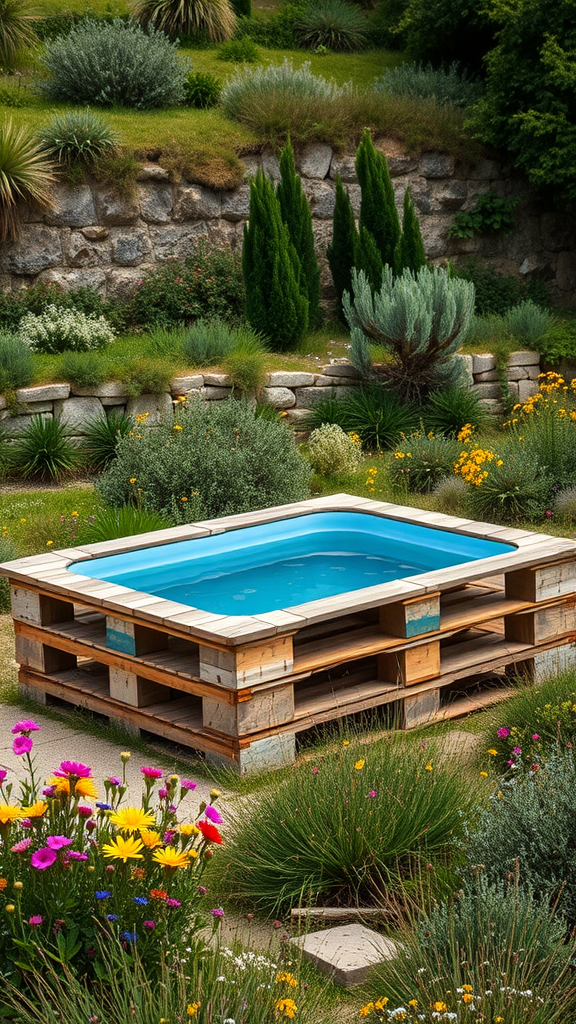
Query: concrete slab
x=347 y=953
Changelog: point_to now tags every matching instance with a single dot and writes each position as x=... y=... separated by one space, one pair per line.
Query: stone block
x=181 y=385
x=155 y=409
x=84 y=277
x=270 y=166
x=306 y=398
x=524 y=358
x=38 y=249
x=80 y=252
x=321 y=197
x=436 y=165
x=485 y=169
x=435 y=236
x=420 y=193
x=111 y=389
x=34 y=408
x=219 y=380
x=43 y=393
x=345 y=166
x=114 y=209
x=513 y=390
x=121 y=284
x=526 y=388
x=489 y=375
x=449 y=195
x=176 y=239
x=467 y=362
x=16 y=425
x=77 y=414
x=130 y=250
x=153 y=172
x=488 y=390
x=196 y=203
x=298 y=418
x=518 y=373
x=155 y=203
x=214 y=394
x=280 y=398
x=483 y=362
x=236 y=204
x=347 y=953
x=95 y=233
x=325 y=381
x=315 y=160
x=73 y=207
x=398 y=165
x=492 y=406
x=287 y=379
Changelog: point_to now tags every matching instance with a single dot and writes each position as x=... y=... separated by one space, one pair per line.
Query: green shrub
x=243 y=8
x=213 y=20
x=335 y=24
x=445 y=85
x=443 y=31
x=490 y=214
x=202 y=90
x=83 y=369
x=565 y=506
x=101 y=439
x=60 y=330
x=332 y=451
x=497 y=943
x=558 y=343
x=114 y=64
x=528 y=322
x=275 y=304
x=422 y=461
x=517 y=490
x=548 y=440
x=233 y=460
x=447 y=410
x=15 y=96
x=495 y=292
x=378 y=416
x=25 y=177
x=8 y=552
x=203 y=284
x=16 y=30
x=144 y=376
x=246 y=363
x=330 y=410
x=342 y=251
x=295 y=211
x=419 y=319
x=378 y=214
x=16 y=363
x=44 y=450
x=278 y=31
x=208 y=341
x=546 y=861
x=340 y=829
x=111 y=523
x=239 y=51
x=536 y=722
x=451 y=493
x=15 y=305
x=77 y=137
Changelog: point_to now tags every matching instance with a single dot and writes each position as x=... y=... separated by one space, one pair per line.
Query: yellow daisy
x=150 y=838
x=132 y=819
x=9 y=813
x=171 y=858
x=124 y=849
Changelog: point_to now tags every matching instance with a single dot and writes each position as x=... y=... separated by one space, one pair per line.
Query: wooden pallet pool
x=240 y=688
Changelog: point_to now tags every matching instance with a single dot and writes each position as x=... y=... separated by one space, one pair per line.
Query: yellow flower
x=381 y=1003
x=150 y=838
x=9 y=908
x=467 y=988
x=184 y=499
x=22 y=520
x=132 y=479
x=498 y=1020
x=36 y=810
x=499 y=794
x=428 y=768
x=439 y=1006
x=467 y=998
x=125 y=756
x=413 y=1003
x=359 y=765
x=3 y=883
x=124 y=849
x=493 y=752
x=9 y=813
x=287 y=1007
x=288 y=978
x=192 y=1009
x=168 y=857
x=366 y=1009
x=189 y=830
x=484 y=775
x=49 y=543
x=345 y=743
x=83 y=787
x=132 y=819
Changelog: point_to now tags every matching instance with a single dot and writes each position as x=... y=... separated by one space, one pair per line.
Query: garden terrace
x=241 y=687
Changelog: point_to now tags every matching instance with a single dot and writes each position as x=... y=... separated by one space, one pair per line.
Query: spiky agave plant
x=213 y=18
x=25 y=176
x=15 y=29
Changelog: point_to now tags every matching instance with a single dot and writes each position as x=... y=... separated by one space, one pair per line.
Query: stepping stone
x=346 y=954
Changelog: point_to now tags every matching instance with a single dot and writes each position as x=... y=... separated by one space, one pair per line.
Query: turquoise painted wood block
x=118 y=640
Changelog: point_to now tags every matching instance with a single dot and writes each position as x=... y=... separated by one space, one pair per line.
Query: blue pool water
x=278 y=565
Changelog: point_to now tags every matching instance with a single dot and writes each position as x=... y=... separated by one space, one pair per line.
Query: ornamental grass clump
x=80 y=868
x=363 y=824
x=422 y=460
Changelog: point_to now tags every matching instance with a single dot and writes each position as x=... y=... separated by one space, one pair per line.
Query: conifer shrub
x=378 y=214
x=117 y=63
x=341 y=252
x=410 y=253
x=275 y=305
x=295 y=210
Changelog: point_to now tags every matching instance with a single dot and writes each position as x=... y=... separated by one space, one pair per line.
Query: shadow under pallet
x=240 y=688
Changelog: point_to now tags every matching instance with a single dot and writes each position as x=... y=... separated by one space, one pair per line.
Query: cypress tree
x=342 y=251
x=369 y=259
x=378 y=212
x=296 y=215
x=275 y=305
x=410 y=252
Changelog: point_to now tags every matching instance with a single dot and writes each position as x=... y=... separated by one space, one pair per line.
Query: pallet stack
x=241 y=688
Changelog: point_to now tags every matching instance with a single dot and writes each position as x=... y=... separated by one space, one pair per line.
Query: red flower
x=210 y=832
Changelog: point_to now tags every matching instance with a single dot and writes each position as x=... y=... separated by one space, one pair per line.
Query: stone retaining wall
x=295 y=393
x=93 y=237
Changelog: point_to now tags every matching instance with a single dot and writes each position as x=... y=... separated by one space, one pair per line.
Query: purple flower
x=103 y=807
x=22 y=745
x=373 y=792
x=129 y=936
x=217 y=912
x=187 y=784
x=202 y=890
x=26 y=726
x=35 y=920
x=150 y=924
x=140 y=901
x=503 y=732
x=168 y=836
x=213 y=815
x=114 y=781
x=49 y=791
x=84 y=812
x=22 y=846
x=103 y=894
x=162 y=792
x=58 y=842
x=77 y=855
x=3 y=774
x=535 y=736
x=75 y=768
x=173 y=903
x=111 y=917
x=43 y=858
x=152 y=773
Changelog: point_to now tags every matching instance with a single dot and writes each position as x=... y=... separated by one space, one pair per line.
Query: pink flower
x=58 y=842
x=75 y=768
x=314 y=771
x=535 y=736
x=77 y=855
x=152 y=773
x=35 y=921
x=43 y=858
x=503 y=732
x=187 y=784
x=114 y=781
x=202 y=890
x=168 y=836
x=3 y=774
x=213 y=814
x=217 y=912
x=22 y=745
x=173 y=903
x=517 y=750
x=162 y=792
x=84 y=812
x=548 y=512
x=22 y=846
x=26 y=726
x=149 y=924
x=511 y=763
x=49 y=791
x=373 y=792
